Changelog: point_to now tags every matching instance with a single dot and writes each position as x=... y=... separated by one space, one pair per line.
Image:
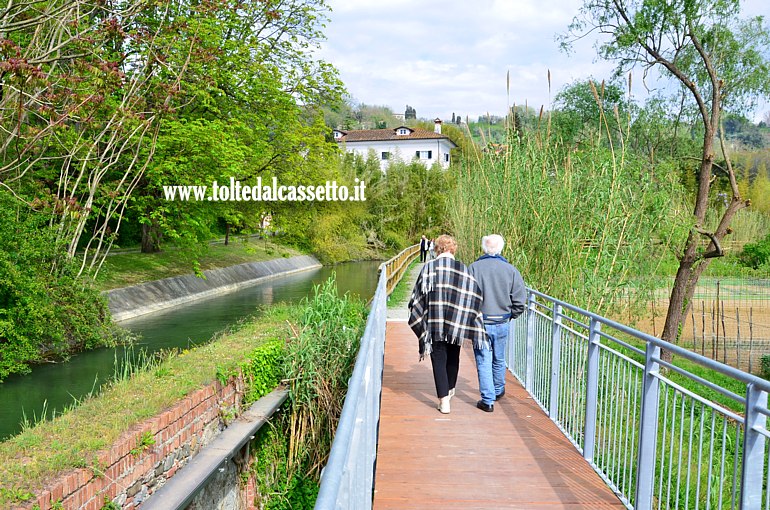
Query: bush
x=262 y=371
x=765 y=362
x=580 y=225
x=46 y=312
x=317 y=363
x=755 y=255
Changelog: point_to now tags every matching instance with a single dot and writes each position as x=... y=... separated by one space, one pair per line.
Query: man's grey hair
x=492 y=244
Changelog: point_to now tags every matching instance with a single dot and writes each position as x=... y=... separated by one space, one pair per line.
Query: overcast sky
x=452 y=56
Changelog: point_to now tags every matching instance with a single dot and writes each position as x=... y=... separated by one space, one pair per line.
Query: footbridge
x=594 y=417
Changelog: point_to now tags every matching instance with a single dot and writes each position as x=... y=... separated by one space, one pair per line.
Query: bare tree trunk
x=151 y=237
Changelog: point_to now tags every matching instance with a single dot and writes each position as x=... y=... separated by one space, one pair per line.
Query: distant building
x=402 y=143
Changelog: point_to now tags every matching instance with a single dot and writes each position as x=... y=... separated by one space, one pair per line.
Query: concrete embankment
x=156 y=295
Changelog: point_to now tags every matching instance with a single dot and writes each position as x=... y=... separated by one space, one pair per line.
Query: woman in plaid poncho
x=444 y=312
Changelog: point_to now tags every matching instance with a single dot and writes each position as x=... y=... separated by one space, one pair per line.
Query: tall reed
x=581 y=223
x=317 y=363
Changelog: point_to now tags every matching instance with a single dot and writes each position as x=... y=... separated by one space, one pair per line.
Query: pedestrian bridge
x=593 y=417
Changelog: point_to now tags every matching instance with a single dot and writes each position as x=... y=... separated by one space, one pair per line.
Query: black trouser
x=423 y=255
x=445 y=359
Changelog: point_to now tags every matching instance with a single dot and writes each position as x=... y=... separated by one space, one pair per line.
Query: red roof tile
x=375 y=135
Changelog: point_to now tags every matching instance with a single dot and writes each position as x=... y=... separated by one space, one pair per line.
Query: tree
x=719 y=61
x=587 y=109
x=87 y=88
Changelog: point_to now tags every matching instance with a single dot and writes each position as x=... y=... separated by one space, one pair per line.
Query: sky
x=452 y=56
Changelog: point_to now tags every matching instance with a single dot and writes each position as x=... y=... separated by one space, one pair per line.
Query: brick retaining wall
x=128 y=474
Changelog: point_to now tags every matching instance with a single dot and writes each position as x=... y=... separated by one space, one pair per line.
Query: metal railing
x=348 y=477
x=661 y=435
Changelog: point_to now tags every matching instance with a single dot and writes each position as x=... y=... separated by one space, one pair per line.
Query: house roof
x=376 y=135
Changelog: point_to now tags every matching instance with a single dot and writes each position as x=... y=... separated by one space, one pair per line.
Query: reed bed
x=580 y=223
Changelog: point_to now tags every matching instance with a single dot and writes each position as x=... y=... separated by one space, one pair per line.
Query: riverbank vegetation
x=135 y=97
x=602 y=192
x=312 y=346
x=124 y=269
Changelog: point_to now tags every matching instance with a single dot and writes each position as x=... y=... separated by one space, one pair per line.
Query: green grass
x=403 y=289
x=127 y=269
x=50 y=448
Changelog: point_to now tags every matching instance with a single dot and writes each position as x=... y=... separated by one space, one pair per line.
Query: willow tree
x=719 y=61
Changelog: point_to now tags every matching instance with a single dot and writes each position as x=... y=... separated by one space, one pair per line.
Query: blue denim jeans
x=490 y=363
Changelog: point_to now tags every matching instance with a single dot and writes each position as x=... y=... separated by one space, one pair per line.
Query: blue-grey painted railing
x=348 y=478
x=659 y=438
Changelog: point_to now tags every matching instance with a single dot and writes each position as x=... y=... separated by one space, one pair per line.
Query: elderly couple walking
x=451 y=303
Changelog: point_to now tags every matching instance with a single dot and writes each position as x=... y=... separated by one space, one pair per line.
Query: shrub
x=317 y=364
x=262 y=371
x=755 y=255
x=765 y=362
x=46 y=312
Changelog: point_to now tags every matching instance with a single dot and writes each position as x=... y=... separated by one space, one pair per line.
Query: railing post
x=753 y=449
x=553 y=409
x=592 y=390
x=530 y=353
x=648 y=430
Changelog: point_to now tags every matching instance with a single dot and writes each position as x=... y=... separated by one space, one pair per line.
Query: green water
x=55 y=386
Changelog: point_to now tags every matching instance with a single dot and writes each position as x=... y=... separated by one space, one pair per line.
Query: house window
x=423 y=154
x=446 y=158
x=385 y=155
x=403 y=131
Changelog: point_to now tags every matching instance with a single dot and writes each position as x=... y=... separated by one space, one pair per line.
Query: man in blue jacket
x=505 y=295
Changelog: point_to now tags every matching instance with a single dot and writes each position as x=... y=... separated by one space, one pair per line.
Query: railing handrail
x=742 y=376
x=638 y=426
x=347 y=479
x=397 y=265
x=354 y=447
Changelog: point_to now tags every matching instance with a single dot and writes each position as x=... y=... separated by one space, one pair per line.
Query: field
x=729 y=321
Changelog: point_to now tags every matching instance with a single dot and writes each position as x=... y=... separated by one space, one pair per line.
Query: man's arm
x=518 y=295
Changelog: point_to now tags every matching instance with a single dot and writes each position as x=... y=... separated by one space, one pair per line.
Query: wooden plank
x=514 y=457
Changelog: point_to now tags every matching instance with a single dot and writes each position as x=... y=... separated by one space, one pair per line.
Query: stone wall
x=133 y=469
x=149 y=297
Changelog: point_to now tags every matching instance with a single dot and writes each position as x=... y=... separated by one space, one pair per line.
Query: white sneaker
x=443 y=405
x=451 y=393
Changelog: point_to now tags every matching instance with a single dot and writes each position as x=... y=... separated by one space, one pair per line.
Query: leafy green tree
x=43 y=316
x=718 y=60
x=585 y=109
x=662 y=136
x=254 y=101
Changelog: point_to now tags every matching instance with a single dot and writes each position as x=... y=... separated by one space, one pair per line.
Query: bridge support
x=648 y=433
x=753 y=449
x=529 y=378
x=553 y=405
x=592 y=390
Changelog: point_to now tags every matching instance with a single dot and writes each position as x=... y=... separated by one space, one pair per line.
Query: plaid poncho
x=446 y=306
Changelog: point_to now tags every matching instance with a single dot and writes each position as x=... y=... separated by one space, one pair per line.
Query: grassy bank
x=124 y=269
x=73 y=439
x=310 y=346
x=402 y=292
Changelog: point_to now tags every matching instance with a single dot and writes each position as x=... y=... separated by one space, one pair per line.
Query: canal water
x=53 y=387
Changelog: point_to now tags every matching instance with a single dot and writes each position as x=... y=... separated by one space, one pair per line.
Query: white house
x=402 y=143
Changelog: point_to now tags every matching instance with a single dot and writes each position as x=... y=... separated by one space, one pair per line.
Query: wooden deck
x=514 y=457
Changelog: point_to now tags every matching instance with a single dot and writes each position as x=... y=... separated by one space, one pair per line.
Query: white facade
x=400 y=144
x=430 y=151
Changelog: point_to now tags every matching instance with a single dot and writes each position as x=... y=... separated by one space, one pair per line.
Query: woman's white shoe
x=443 y=405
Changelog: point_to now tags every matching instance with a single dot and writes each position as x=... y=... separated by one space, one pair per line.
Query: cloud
x=452 y=56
